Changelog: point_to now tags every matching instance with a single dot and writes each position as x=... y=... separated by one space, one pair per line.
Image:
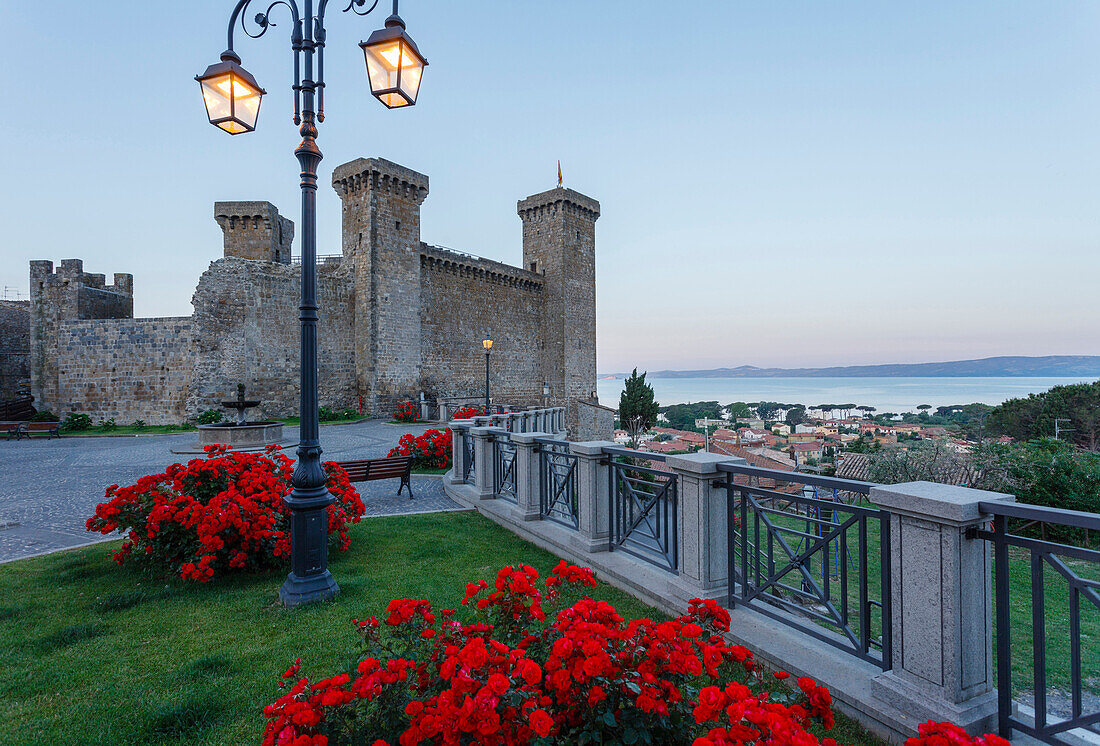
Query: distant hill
x=1084 y=366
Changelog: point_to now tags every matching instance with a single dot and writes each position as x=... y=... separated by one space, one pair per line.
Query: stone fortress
x=398 y=317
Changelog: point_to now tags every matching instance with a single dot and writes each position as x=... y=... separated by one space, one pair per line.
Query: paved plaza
x=49 y=488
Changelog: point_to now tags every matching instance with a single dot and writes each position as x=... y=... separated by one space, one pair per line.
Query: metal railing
x=504 y=468
x=811 y=558
x=468 y=454
x=644 y=509
x=1053 y=570
x=557 y=482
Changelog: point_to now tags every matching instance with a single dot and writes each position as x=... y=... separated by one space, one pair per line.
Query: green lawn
x=298 y=420
x=133 y=430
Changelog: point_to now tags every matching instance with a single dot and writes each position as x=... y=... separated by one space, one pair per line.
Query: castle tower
x=559 y=242
x=381 y=242
x=255 y=230
x=68 y=294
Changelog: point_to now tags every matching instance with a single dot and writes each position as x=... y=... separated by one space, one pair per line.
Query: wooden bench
x=372 y=469
x=11 y=429
x=52 y=429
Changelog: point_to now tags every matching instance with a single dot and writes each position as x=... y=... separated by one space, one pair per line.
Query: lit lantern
x=487 y=344
x=231 y=94
x=394 y=64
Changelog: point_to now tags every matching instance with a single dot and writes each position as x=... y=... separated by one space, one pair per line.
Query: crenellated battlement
x=255 y=230
x=557 y=201
x=70 y=272
x=380 y=175
x=476 y=267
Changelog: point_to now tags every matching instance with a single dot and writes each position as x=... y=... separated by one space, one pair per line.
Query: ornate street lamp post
x=232 y=97
x=488 y=345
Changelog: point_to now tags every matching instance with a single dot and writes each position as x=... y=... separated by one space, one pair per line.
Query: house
x=805 y=428
x=668 y=446
x=756 y=459
x=803 y=437
x=780 y=428
x=803 y=452
x=933 y=433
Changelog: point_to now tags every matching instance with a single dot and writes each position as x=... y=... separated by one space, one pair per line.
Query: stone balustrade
x=568 y=498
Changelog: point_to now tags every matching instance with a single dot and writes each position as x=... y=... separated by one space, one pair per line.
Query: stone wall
x=67 y=294
x=125 y=369
x=246 y=331
x=15 y=324
x=464 y=299
x=594 y=421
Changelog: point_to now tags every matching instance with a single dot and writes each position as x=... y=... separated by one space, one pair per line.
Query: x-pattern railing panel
x=558 y=484
x=468 y=461
x=504 y=471
x=790 y=557
x=644 y=507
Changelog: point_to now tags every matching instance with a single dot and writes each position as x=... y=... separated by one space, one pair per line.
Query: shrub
x=210 y=417
x=217 y=515
x=432 y=450
x=45 y=416
x=513 y=675
x=108 y=425
x=467 y=412
x=946 y=734
x=76 y=422
x=406 y=412
x=139 y=424
x=328 y=414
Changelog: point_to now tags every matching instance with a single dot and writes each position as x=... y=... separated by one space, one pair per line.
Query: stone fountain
x=241 y=434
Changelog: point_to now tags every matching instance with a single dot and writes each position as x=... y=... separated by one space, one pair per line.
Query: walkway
x=49 y=488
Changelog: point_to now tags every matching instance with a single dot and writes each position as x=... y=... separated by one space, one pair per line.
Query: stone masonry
x=398 y=316
x=15 y=324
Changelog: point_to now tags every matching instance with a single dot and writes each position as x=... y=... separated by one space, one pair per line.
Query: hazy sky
x=783 y=183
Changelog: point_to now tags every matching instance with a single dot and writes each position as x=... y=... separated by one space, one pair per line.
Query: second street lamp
x=232 y=97
x=488 y=345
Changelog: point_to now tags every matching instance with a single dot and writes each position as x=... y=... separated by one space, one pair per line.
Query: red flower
x=541 y=723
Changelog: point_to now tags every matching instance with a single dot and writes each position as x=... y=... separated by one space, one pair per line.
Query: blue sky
x=783 y=183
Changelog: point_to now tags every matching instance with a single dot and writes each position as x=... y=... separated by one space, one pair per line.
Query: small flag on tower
x=559 y=173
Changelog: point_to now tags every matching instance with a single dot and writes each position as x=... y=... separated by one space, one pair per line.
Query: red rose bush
x=514 y=672
x=432 y=450
x=406 y=412
x=947 y=734
x=217 y=515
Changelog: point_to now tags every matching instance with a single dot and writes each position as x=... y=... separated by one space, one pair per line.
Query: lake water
x=885 y=394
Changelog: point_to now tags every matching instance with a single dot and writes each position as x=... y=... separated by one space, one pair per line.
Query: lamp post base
x=296 y=591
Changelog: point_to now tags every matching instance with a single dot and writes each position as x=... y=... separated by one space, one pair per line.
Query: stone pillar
x=593 y=494
x=561 y=419
x=941 y=605
x=701 y=530
x=527 y=475
x=425 y=408
x=444 y=411
x=460 y=430
x=484 y=461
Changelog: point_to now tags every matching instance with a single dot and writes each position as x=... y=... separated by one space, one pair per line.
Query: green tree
x=795 y=416
x=1035 y=416
x=766 y=410
x=739 y=410
x=637 y=407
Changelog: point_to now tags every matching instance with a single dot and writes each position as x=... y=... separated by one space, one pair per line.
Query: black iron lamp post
x=232 y=97
x=488 y=345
